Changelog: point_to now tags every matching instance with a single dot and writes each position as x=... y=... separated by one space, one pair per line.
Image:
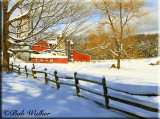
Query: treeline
x=147 y=44
x=100 y=46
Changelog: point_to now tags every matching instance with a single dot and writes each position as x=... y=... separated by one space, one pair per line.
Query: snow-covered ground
x=135 y=77
x=19 y=93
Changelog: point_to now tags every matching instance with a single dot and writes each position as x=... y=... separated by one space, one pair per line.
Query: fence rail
x=90 y=81
x=81 y=87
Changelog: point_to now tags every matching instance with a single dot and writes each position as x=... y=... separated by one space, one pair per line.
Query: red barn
x=52 y=57
x=40 y=43
x=78 y=57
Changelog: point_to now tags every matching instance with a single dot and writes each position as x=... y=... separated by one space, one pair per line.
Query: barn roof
x=52 y=42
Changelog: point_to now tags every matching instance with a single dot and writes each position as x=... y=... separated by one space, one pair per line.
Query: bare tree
x=117 y=16
x=39 y=15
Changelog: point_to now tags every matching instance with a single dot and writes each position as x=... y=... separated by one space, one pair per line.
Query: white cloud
x=149 y=24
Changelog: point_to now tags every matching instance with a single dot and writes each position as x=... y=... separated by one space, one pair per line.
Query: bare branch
x=15 y=6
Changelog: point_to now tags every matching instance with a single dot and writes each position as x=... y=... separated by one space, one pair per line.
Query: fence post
x=19 y=70
x=46 y=81
x=56 y=78
x=26 y=71
x=76 y=84
x=12 y=66
x=33 y=72
x=33 y=66
x=105 y=93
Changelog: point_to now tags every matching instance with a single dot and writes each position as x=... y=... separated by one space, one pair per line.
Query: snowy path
x=19 y=93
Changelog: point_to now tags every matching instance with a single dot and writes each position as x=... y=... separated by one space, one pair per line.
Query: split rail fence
x=17 y=69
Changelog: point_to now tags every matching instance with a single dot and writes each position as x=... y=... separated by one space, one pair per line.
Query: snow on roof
x=71 y=42
x=46 y=55
x=52 y=42
x=53 y=52
x=59 y=34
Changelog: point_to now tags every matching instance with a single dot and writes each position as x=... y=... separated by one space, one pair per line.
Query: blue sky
x=151 y=26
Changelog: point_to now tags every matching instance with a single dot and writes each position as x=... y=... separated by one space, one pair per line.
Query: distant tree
x=95 y=45
x=99 y=46
x=147 y=44
x=130 y=48
x=117 y=14
x=135 y=46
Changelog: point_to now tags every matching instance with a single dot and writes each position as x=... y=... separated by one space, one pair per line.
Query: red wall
x=41 y=43
x=55 y=60
x=80 y=57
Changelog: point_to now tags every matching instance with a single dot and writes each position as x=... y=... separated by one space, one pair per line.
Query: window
x=37 y=60
x=26 y=57
x=51 y=60
x=41 y=60
x=50 y=45
x=46 y=60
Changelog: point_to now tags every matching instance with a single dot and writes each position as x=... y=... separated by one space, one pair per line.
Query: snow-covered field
x=19 y=93
x=135 y=77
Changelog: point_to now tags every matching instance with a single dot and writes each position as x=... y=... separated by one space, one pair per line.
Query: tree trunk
x=5 y=53
x=118 y=60
x=5 y=37
x=121 y=38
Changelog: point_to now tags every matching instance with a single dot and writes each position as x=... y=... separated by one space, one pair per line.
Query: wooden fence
x=17 y=69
